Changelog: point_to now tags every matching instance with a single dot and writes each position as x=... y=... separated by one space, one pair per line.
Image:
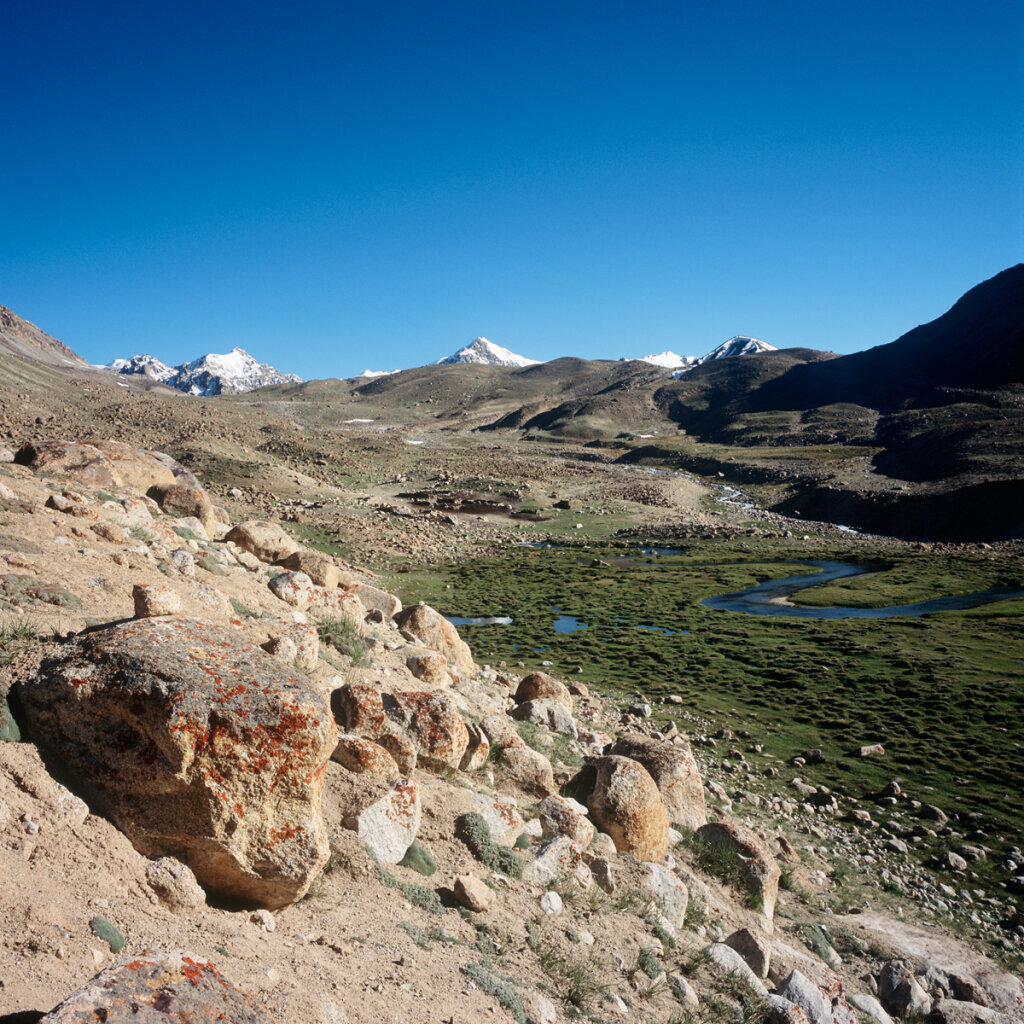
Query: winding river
x=766 y=598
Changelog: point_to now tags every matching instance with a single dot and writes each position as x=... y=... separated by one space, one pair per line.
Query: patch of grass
x=415 y=933
x=418 y=895
x=242 y=610
x=343 y=635
x=488 y=980
x=16 y=633
x=724 y=862
x=138 y=532
x=474 y=831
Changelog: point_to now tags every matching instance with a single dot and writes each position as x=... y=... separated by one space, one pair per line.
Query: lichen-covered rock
x=401 y=749
x=359 y=709
x=155 y=599
x=339 y=603
x=197 y=745
x=364 y=757
x=502 y=817
x=547 y=713
x=267 y=541
x=529 y=768
x=437 y=632
x=430 y=667
x=431 y=720
x=294 y=588
x=541 y=686
x=554 y=860
x=376 y=599
x=320 y=568
x=157 y=988
x=626 y=804
x=501 y=732
x=755 y=859
x=303 y=636
x=674 y=770
x=389 y=826
x=563 y=816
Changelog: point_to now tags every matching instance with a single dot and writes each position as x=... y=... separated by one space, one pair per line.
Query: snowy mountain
x=376 y=373
x=669 y=360
x=487 y=353
x=147 y=364
x=233 y=372
x=739 y=345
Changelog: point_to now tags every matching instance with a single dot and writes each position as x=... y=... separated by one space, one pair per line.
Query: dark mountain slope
x=978 y=343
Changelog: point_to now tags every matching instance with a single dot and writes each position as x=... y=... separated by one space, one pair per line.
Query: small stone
x=473 y=894
x=551 y=903
x=155 y=599
x=264 y=918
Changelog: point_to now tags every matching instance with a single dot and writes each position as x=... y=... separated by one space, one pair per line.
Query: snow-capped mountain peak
x=668 y=360
x=486 y=352
x=738 y=345
x=213 y=374
x=147 y=364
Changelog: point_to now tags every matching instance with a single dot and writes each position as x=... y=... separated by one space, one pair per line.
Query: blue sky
x=336 y=186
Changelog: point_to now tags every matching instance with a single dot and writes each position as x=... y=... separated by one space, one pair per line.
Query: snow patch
x=484 y=352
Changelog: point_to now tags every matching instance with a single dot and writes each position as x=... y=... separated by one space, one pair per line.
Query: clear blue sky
x=335 y=186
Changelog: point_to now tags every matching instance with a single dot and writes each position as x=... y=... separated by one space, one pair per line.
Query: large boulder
x=139 y=469
x=431 y=720
x=529 y=768
x=541 y=686
x=75 y=459
x=674 y=770
x=437 y=632
x=626 y=804
x=320 y=568
x=183 y=500
x=267 y=541
x=563 y=816
x=153 y=988
x=547 y=713
x=755 y=861
x=197 y=745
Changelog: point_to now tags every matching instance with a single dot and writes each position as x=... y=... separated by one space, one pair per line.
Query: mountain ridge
x=234 y=372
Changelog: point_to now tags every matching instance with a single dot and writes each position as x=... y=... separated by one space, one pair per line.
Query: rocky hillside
x=239 y=781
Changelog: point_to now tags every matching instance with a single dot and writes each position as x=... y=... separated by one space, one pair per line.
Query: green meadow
x=944 y=693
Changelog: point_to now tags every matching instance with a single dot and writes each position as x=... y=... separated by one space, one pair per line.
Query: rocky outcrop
x=197 y=745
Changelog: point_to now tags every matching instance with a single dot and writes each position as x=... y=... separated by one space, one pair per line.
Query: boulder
x=359 y=709
x=437 y=632
x=755 y=951
x=389 y=826
x=900 y=992
x=175 y=885
x=674 y=770
x=668 y=890
x=431 y=720
x=70 y=459
x=155 y=599
x=563 y=816
x=541 y=686
x=430 y=667
x=197 y=745
x=364 y=757
x=267 y=541
x=401 y=749
x=626 y=804
x=339 y=604
x=138 y=468
x=320 y=568
x=294 y=588
x=501 y=732
x=819 y=1007
x=502 y=817
x=759 y=867
x=183 y=500
x=376 y=599
x=557 y=859
x=152 y=987
x=547 y=713
x=303 y=636
x=529 y=768
x=728 y=960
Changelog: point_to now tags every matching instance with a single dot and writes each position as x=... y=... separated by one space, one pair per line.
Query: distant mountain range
x=233 y=372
